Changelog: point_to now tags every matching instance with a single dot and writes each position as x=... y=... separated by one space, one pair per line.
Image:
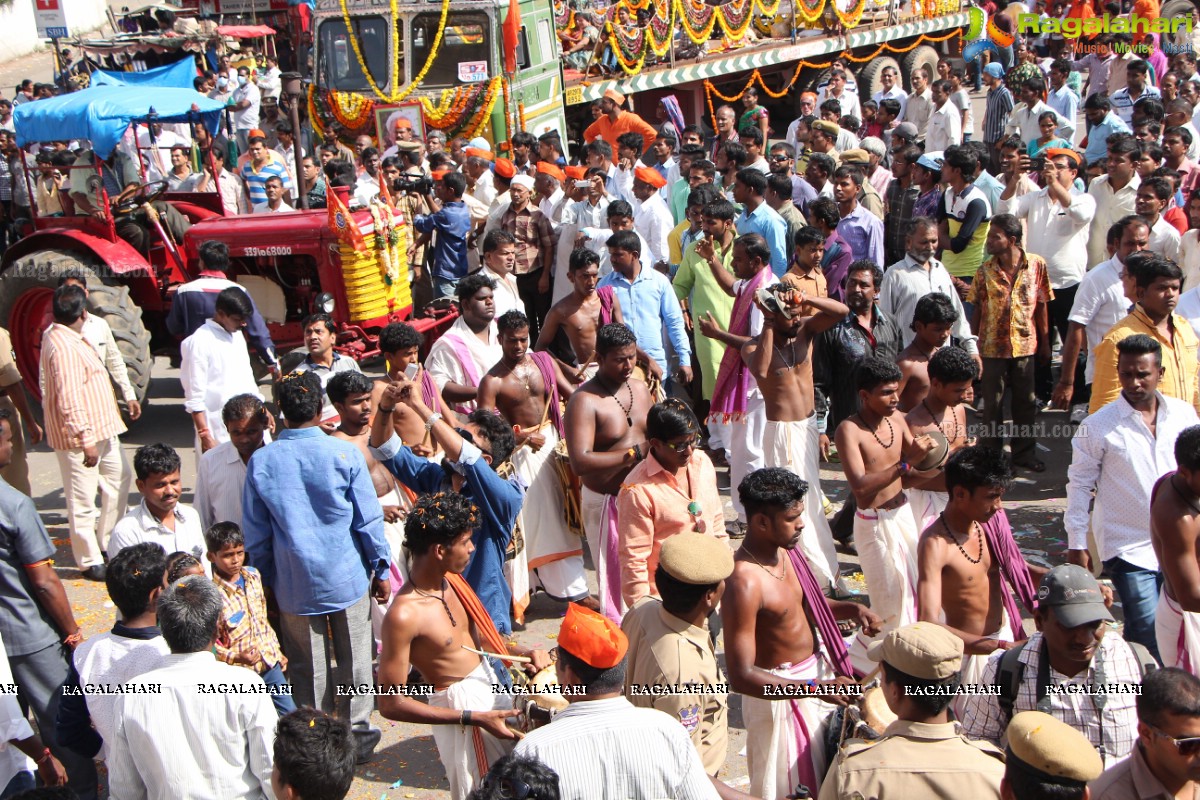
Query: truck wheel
x=868 y=79
x=1173 y=9
x=27 y=291
x=923 y=56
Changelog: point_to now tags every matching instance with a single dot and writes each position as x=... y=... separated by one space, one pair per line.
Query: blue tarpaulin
x=101 y=114
x=178 y=76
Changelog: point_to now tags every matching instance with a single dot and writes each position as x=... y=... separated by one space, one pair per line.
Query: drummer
x=669 y=643
x=922 y=753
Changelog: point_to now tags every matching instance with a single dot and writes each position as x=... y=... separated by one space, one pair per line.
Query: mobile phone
x=583 y=184
x=411 y=371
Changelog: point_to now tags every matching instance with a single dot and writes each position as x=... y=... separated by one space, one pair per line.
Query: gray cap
x=1074 y=595
x=906 y=130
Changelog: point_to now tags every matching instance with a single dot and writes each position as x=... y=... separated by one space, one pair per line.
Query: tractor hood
x=101 y=114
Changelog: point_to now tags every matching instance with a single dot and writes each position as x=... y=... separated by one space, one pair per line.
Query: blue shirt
x=863 y=231
x=1065 y=103
x=312 y=522
x=498 y=500
x=256 y=182
x=650 y=307
x=452 y=223
x=991 y=186
x=1097 y=134
x=766 y=222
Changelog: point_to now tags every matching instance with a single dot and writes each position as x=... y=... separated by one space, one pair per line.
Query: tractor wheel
x=26 y=292
x=1173 y=9
x=923 y=56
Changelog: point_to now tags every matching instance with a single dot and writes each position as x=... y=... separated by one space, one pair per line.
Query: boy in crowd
x=315 y=751
x=932 y=320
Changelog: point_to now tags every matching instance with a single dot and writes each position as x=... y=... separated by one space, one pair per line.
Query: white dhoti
x=926 y=506
x=600 y=527
x=554 y=556
x=468 y=752
x=746 y=437
x=796 y=445
x=1178 y=635
x=886 y=541
x=785 y=738
x=398 y=573
x=973 y=665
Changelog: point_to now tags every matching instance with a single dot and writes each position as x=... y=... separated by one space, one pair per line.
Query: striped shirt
x=256 y=181
x=995 y=118
x=605 y=749
x=79 y=403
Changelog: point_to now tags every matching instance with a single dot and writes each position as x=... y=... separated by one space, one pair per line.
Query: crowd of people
x=862 y=287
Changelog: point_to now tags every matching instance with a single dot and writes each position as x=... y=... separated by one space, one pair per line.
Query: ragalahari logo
x=983 y=35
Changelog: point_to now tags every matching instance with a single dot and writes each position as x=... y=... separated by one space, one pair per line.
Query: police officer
x=670 y=647
x=1047 y=758
x=922 y=753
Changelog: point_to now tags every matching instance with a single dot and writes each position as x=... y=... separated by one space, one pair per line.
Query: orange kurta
x=627 y=122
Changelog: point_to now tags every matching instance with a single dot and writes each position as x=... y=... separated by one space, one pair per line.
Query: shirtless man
x=876 y=448
x=526 y=388
x=569 y=332
x=774 y=614
x=1175 y=534
x=460 y=357
x=606 y=436
x=932 y=320
x=968 y=554
x=951 y=372
x=400 y=345
x=780 y=359
x=431 y=620
x=352 y=397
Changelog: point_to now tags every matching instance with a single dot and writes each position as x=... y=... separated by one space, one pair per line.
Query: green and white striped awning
x=760 y=57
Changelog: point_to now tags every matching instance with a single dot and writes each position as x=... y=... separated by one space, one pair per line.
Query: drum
x=542 y=703
x=865 y=720
x=517 y=543
x=572 y=488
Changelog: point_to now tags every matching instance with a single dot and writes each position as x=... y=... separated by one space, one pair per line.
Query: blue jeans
x=1138 y=589
x=444 y=287
x=23 y=781
x=284 y=703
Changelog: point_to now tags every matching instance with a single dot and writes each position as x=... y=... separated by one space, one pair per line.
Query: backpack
x=1011 y=671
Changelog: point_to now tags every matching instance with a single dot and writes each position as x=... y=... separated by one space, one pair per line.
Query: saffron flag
x=387 y=195
x=342 y=224
x=512 y=32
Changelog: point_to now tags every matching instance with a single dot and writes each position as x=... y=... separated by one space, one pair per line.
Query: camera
x=422 y=185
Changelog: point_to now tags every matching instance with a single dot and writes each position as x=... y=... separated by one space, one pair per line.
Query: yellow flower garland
x=393 y=68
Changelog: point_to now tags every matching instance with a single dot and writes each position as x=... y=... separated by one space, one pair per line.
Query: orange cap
x=615 y=96
x=504 y=168
x=256 y=132
x=546 y=168
x=576 y=173
x=403 y=122
x=650 y=176
x=1051 y=152
x=592 y=638
x=438 y=174
x=486 y=155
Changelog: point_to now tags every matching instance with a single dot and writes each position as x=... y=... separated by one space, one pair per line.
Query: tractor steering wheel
x=135 y=195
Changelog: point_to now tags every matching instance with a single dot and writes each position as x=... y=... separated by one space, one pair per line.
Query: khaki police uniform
x=916 y=759
x=17 y=472
x=665 y=651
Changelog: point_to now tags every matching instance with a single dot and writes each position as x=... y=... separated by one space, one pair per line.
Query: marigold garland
x=394 y=66
x=351 y=110
x=313 y=116
x=458 y=110
x=853 y=16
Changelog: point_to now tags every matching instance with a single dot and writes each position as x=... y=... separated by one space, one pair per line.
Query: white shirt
x=849 y=102
x=288 y=154
x=1057 y=234
x=14 y=724
x=111 y=659
x=233 y=193
x=220 y=475
x=1100 y=303
x=906 y=282
x=156 y=154
x=214 y=368
x=505 y=295
x=1164 y=239
x=366 y=189
x=186 y=745
x=1023 y=121
x=1188 y=307
x=443 y=363
x=139 y=525
x=1110 y=207
x=596 y=240
x=265 y=208
x=945 y=128
x=1116 y=459
x=652 y=219
x=586 y=215
x=247 y=118
x=270 y=82
x=547 y=205
x=918 y=111
x=485 y=190
x=610 y=750
x=895 y=93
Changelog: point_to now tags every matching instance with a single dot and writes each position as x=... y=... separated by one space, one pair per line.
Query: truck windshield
x=463 y=56
x=338 y=66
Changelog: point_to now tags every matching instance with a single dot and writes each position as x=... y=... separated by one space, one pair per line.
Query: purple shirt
x=835 y=264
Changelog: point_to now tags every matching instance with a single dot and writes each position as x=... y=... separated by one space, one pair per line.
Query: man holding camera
x=452 y=222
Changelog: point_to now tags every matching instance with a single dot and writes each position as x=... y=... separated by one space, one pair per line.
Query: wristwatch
x=434 y=417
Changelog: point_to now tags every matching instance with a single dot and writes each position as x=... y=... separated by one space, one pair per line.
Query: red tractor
x=292 y=264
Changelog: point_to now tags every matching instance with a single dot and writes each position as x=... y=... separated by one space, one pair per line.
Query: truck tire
x=923 y=56
x=26 y=291
x=868 y=79
x=1170 y=10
